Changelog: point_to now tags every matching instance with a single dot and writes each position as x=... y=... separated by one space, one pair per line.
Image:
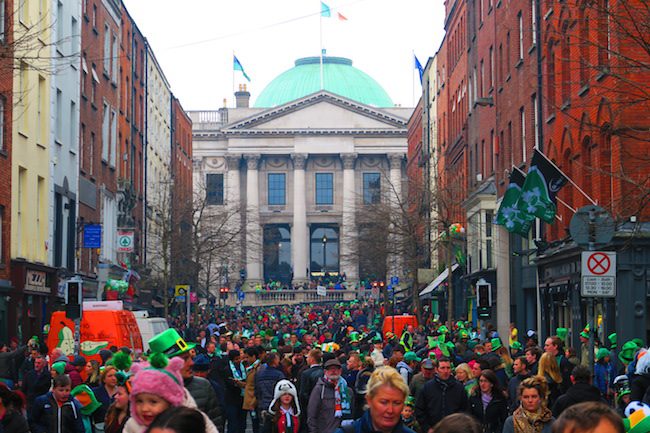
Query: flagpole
x=233 y=74
x=595 y=203
x=320 y=17
x=565 y=204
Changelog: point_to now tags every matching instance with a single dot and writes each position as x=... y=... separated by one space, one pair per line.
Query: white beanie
x=285 y=387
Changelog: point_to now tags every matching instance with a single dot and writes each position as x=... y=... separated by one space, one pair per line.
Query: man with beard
x=330 y=401
x=441 y=396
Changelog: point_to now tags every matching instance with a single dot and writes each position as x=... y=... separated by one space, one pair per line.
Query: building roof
x=339 y=77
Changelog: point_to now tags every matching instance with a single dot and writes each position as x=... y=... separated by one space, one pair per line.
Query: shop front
x=32 y=298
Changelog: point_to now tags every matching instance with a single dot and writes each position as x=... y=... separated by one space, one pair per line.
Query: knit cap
x=162 y=377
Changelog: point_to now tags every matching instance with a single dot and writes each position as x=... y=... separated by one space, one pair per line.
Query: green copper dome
x=339 y=77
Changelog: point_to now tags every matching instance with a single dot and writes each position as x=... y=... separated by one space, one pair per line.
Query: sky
x=194 y=41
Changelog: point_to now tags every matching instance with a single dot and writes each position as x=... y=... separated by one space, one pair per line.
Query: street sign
x=321 y=291
x=125 y=241
x=394 y=280
x=592 y=226
x=92 y=236
x=598 y=274
x=181 y=291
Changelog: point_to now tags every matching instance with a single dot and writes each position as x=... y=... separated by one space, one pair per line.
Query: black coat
x=437 y=399
x=206 y=399
x=265 y=381
x=578 y=393
x=13 y=422
x=47 y=417
x=493 y=416
x=306 y=384
x=35 y=384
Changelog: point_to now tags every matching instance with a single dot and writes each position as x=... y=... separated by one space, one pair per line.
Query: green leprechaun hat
x=86 y=397
x=585 y=332
x=170 y=343
x=562 y=334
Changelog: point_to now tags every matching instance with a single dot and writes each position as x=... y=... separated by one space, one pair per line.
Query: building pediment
x=323 y=113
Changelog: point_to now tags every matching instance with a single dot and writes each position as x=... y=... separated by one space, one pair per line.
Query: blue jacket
x=604 y=375
x=47 y=417
x=364 y=425
x=265 y=381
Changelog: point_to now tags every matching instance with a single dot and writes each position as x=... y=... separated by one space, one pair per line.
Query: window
x=371 y=188
x=277 y=189
x=533 y=21
x=60 y=35
x=82 y=150
x=73 y=127
x=522 y=116
x=23 y=85
x=507 y=58
x=2 y=20
x=107 y=50
x=91 y=154
x=105 y=132
x=214 y=188
x=482 y=83
x=324 y=188
x=59 y=117
x=2 y=212
x=94 y=17
x=521 y=35
x=23 y=12
x=113 y=138
x=115 y=58
x=491 y=67
x=2 y=124
x=492 y=154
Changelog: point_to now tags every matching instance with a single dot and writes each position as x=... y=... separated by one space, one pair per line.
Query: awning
x=439 y=279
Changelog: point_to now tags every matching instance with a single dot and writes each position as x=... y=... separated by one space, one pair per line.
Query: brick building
x=99 y=154
x=6 y=123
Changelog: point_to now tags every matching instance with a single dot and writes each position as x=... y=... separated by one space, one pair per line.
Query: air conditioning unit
x=479 y=177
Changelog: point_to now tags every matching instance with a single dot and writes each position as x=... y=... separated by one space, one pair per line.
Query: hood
x=285 y=387
x=403 y=364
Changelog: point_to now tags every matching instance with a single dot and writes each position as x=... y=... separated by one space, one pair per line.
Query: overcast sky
x=194 y=41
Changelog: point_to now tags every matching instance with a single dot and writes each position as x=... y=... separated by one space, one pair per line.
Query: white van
x=149 y=326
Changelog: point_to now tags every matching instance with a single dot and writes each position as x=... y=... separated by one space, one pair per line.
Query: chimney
x=223 y=113
x=242 y=97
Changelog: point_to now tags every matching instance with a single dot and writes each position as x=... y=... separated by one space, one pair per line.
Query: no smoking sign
x=598 y=274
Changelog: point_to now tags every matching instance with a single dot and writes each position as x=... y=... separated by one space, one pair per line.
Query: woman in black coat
x=488 y=403
x=11 y=407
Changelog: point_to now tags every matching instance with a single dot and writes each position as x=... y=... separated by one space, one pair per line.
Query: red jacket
x=281 y=425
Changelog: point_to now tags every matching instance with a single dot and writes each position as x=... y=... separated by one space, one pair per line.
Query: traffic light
x=73 y=298
x=484 y=299
x=223 y=292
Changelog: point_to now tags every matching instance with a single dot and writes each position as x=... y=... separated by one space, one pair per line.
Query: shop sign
x=35 y=282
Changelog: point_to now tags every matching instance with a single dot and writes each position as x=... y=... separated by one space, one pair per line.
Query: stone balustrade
x=290 y=297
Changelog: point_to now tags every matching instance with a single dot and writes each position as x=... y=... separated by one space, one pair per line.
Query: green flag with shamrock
x=542 y=183
x=509 y=215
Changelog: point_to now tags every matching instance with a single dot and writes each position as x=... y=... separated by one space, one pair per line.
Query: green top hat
x=86 y=397
x=354 y=337
x=562 y=333
x=627 y=352
x=460 y=325
x=170 y=343
x=443 y=329
x=496 y=344
x=638 y=342
x=516 y=345
x=410 y=401
x=612 y=339
x=463 y=333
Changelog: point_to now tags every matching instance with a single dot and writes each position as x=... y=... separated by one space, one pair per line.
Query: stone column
x=235 y=210
x=299 y=232
x=395 y=265
x=348 y=238
x=253 y=228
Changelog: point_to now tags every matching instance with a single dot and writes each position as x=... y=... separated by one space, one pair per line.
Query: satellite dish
x=591 y=227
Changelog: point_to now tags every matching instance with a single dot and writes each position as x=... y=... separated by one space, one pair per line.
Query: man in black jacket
x=581 y=391
x=201 y=390
x=307 y=382
x=441 y=396
x=37 y=381
x=520 y=370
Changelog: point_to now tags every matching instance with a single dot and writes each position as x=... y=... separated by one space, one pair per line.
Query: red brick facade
x=6 y=99
x=98 y=90
x=596 y=105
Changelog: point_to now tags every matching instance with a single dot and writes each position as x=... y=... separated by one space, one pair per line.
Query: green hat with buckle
x=170 y=343
x=496 y=344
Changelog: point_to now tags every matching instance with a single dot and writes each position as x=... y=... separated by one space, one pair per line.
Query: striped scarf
x=339 y=387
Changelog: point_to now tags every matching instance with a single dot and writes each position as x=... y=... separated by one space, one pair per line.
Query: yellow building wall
x=30 y=237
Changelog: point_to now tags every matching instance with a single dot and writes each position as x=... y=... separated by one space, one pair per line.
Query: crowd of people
x=327 y=369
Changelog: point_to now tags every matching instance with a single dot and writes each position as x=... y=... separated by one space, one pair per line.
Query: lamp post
x=324 y=254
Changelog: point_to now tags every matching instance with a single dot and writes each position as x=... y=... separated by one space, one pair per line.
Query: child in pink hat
x=155 y=388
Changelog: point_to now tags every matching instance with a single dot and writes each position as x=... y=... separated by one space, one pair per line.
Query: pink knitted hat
x=160 y=378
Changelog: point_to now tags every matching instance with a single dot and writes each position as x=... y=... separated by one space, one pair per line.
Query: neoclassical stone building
x=300 y=167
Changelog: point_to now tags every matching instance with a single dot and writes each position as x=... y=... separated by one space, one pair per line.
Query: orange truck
x=100 y=329
x=397 y=324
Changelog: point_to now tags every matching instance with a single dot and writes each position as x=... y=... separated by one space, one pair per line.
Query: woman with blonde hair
x=464 y=375
x=533 y=415
x=550 y=371
x=386 y=395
